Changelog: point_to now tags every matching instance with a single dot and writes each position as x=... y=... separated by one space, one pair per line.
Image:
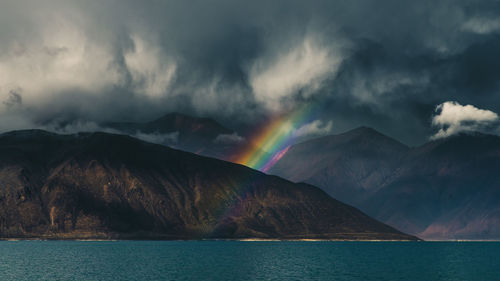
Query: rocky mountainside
x=445 y=189
x=98 y=185
x=349 y=166
x=449 y=188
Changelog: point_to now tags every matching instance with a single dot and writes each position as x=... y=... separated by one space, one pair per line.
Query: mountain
x=203 y=136
x=349 y=166
x=99 y=185
x=444 y=189
x=187 y=126
x=448 y=188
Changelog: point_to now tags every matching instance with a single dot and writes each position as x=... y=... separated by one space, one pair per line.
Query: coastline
x=14 y=239
x=240 y=240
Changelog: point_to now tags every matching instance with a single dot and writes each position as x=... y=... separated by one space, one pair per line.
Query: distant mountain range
x=444 y=189
x=100 y=185
x=200 y=135
x=181 y=131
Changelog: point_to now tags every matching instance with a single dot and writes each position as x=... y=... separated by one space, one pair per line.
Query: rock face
x=112 y=186
x=445 y=189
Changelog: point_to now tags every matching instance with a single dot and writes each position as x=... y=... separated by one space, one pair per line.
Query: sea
x=248 y=260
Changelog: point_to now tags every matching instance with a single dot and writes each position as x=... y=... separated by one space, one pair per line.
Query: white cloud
x=165 y=139
x=315 y=128
x=301 y=68
x=229 y=138
x=482 y=25
x=151 y=72
x=63 y=59
x=453 y=118
x=75 y=127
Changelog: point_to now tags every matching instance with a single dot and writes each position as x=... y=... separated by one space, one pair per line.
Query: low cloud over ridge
x=313 y=129
x=453 y=118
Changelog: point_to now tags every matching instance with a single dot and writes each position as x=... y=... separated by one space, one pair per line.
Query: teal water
x=233 y=260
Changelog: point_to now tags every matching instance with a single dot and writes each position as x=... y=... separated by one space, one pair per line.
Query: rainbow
x=272 y=141
x=265 y=147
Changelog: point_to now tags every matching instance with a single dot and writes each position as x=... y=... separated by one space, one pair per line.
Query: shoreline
x=15 y=239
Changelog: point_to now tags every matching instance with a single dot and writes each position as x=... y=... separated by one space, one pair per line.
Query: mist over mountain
x=200 y=135
x=185 y=125
x=99 y=185
x=179 y=131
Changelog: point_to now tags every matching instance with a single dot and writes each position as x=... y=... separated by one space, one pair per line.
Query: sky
x=414 y=70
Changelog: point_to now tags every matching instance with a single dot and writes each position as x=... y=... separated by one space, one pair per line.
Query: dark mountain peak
x=185 y=132
x=182 y=122
x=173 y=116
x=27 y=133
x=364 y=130
x=187 y=126
x=368 y=132
x=176 y=116
x=361 y=136
x=472 y=135
x=347 y=166
x=32 y=135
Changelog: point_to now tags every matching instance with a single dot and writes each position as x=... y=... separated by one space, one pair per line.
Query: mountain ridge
x=100 y=185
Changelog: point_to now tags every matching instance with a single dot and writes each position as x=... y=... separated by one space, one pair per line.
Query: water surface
x=235 y=260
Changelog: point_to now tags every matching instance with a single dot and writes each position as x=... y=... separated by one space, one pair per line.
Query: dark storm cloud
x=14 y=98
x=385 y=64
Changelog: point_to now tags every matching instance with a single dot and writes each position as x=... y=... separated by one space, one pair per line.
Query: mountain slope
x=349 y=166
x=445 y=189
x=449 y=188
x=112 y=186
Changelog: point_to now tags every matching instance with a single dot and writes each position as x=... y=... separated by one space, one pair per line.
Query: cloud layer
x=385 y=64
